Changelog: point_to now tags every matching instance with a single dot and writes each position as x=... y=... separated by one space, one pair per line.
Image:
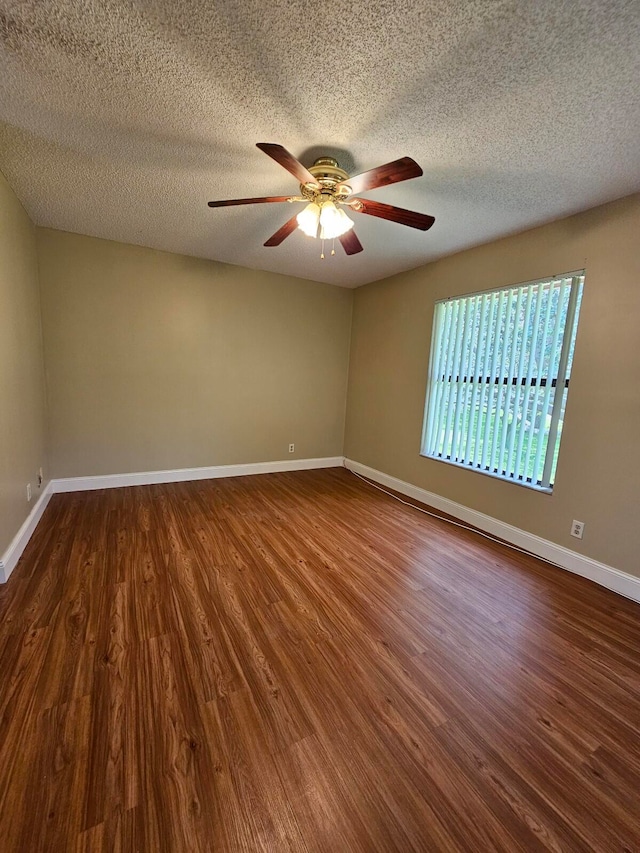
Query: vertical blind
x=499 y=378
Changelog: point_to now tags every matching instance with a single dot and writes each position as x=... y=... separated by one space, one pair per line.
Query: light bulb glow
x=308 y=220
x=333 y=222
x=323 y=220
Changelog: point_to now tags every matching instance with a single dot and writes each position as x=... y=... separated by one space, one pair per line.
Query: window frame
x=569 y=332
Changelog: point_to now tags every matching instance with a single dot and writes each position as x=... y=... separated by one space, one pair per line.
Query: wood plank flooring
x=297 y=662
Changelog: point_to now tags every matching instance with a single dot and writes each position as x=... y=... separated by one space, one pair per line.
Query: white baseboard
x=19 y=543
x=180 y=475
x=613 y=579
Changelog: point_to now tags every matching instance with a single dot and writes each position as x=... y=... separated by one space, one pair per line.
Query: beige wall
x=598 y=477
x=159 y=361
x=22 y=399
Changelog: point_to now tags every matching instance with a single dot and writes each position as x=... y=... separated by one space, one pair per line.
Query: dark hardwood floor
x=297 y=662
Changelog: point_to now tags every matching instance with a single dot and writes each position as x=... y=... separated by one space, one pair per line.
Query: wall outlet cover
x=577 y=529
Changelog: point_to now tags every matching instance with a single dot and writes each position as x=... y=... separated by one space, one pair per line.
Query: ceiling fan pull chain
x=333 y=246
x=322 y=251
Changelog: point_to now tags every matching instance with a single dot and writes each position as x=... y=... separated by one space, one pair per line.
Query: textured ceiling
x=122 y=118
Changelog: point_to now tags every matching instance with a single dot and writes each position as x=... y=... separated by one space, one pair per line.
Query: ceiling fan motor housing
x=328 y=174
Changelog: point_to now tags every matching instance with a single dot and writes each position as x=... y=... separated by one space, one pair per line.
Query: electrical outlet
x=577 y=529
x=28 y=491
x=292 y=447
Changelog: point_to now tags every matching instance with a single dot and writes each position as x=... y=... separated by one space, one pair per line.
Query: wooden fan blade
x=350 y=242
x=382 y=176
x=288 y=162
x=282 y=233
x=266 y=200
x=394 y=214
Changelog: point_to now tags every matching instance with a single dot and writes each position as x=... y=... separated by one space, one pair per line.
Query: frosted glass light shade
x=308 y=220
x=333 y=222
x=347 y=224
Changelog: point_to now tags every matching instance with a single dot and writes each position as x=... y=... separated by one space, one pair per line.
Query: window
x=499 y=378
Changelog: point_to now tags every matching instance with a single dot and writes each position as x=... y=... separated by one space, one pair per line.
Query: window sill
x=545 y=490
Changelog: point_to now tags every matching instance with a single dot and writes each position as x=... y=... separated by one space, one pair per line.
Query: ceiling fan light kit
x=323 y=219
x=324 y=186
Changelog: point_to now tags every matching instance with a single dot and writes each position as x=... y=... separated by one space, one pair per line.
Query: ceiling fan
x=327 y=189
